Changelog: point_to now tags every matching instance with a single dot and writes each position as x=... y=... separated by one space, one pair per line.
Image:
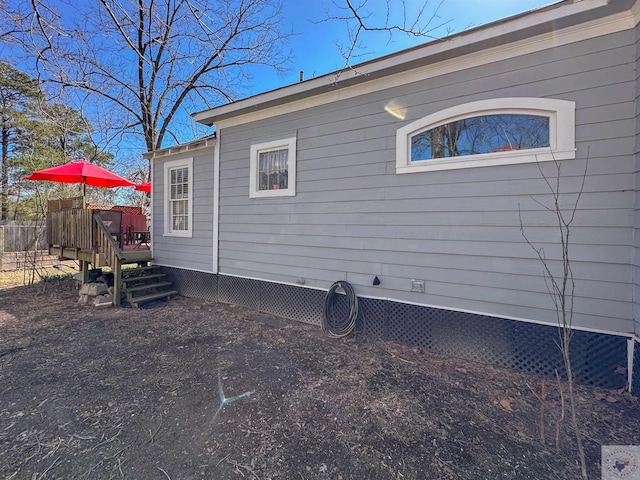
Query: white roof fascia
x=605 y=26
x=209 y=141
x=332 y=82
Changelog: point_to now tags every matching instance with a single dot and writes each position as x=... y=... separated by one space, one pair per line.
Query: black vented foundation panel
x=522 y=346
x=193 y=284
x=635 y=384
x=239 y=291
x=596 y=358
x=296 y=303
x=373 y=318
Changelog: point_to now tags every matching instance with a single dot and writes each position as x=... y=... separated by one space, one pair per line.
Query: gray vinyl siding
x=458 y=230
x=196 y=252
x=636 y=255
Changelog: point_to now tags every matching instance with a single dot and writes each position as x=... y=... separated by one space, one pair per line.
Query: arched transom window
x=489 y=132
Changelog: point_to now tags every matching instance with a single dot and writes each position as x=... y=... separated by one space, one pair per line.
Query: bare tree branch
x=420 y=22
x=146 y=61
x=561 y=285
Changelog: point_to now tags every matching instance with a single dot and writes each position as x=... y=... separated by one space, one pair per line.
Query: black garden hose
x=333 y=325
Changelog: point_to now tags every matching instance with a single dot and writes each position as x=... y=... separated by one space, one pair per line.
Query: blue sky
x=314 y=45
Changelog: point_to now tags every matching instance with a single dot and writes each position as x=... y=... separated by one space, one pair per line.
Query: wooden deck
x=77 y=233
x=129 y=255
x=74 y=234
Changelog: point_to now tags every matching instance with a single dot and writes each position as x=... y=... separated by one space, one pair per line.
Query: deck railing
x=73 y=228
x=113 y=256
x=106 y=243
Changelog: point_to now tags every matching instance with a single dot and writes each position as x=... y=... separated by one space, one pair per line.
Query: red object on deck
x=83 y=172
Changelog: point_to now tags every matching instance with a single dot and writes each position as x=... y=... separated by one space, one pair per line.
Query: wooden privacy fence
x=27 y=260
x=18 y=236
x=23 y=244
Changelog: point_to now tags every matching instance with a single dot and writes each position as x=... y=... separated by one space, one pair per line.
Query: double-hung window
x=273 y=169
x=178 y=176
x=490 y=132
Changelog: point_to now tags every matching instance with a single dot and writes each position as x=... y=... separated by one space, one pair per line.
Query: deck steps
x=140 y=288
x=145 y=284
x=138 y=277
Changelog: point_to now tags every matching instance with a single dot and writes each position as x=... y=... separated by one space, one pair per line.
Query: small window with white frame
x=273 y=169
x=499 y=131
x=178 y=175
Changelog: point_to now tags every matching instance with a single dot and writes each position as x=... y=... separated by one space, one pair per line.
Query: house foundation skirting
x=635 y=380
x=597 y=358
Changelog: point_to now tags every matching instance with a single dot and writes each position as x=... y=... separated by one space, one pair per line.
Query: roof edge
x=497 y=32
x=208 y=141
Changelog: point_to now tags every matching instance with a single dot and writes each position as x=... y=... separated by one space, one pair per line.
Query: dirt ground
x=89 y=393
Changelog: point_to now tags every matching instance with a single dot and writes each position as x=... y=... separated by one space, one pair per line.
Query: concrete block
x=96 y=289
x=103 y=301
x=83 y=299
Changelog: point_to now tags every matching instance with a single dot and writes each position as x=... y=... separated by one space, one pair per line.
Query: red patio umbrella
x=83 y=172
x=144 y=187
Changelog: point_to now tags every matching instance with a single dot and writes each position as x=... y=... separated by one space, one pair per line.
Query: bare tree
x=414 y=19
x=144 y=64
x=561 y=282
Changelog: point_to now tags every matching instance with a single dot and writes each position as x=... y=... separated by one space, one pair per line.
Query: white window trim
x=561 y=115
x=168 y=166
x=256 y=149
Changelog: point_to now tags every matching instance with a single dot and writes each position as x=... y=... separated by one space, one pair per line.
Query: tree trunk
x=437 y=142
x=4 y=174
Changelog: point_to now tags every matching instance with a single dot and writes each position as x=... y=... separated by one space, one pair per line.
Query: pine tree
x=19 y=95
